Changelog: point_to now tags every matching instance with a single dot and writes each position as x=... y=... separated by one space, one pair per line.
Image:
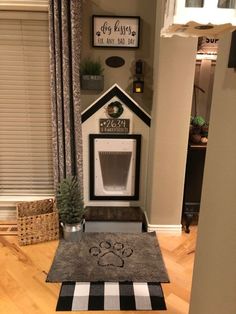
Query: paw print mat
x=109 y=257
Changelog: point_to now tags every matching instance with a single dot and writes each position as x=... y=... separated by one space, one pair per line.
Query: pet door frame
x=92 y=138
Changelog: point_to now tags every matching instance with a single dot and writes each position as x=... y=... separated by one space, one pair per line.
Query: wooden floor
x=23 y=270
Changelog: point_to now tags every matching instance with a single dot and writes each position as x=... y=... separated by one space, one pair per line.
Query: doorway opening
x=199 y=125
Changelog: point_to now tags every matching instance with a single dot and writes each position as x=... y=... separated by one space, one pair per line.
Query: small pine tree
x=69 y=201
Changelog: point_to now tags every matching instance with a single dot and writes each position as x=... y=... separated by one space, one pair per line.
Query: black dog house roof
x=115 y=90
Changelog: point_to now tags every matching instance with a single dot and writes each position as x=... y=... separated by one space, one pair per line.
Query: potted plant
x=198 y=130
x=71 y=208
x=91 y=75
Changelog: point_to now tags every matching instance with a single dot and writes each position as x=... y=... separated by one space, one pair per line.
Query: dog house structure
x=115 y=154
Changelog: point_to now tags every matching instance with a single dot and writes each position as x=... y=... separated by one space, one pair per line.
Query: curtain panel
x=65 y=46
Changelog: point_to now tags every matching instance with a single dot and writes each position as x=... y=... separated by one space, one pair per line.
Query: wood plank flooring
x=23 y=270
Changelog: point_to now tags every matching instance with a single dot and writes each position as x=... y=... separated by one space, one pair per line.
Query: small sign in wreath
x=115 y=109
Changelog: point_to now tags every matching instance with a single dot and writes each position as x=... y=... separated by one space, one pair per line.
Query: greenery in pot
x=69 y=201
x=198 y=130
x=91 y=67
x=91 y=75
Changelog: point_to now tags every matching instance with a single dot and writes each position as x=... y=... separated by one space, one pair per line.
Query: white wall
x=170 y=128
x=204 y=78
x=214 y=280
x=123 y=75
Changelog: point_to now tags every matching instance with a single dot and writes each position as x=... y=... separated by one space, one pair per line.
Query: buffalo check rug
x=94 y=296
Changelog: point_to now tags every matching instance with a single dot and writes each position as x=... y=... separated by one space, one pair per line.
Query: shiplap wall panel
x=25 y=117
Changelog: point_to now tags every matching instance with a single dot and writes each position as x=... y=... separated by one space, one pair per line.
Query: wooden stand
x=114 y=219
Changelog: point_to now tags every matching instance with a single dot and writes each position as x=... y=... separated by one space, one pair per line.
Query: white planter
x=73 y=232
x=92 y=82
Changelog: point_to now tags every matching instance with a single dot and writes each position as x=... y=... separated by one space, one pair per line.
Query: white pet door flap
x=114 y=166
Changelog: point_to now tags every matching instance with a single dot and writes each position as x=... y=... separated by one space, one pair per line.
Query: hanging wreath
x=115 y=109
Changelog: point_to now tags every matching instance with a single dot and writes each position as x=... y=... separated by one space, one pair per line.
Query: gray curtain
x=65 y=46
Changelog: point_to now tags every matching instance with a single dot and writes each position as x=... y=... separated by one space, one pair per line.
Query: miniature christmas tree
x=69 y=201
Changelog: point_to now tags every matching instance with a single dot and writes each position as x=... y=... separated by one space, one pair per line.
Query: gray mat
x=112 y=257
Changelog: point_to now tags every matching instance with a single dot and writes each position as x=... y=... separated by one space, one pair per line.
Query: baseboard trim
x=176 y=229
x=173 y=229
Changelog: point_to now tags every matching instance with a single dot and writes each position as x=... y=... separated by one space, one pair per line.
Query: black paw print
x=98 y=34
x=111 y=255
x=133 y=33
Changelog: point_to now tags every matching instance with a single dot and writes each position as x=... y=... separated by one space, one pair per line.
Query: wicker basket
x=37 y=221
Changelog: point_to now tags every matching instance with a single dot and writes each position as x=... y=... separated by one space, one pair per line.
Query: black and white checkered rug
x=79 y=296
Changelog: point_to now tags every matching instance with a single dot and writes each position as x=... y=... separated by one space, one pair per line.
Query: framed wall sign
x=115 y=31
